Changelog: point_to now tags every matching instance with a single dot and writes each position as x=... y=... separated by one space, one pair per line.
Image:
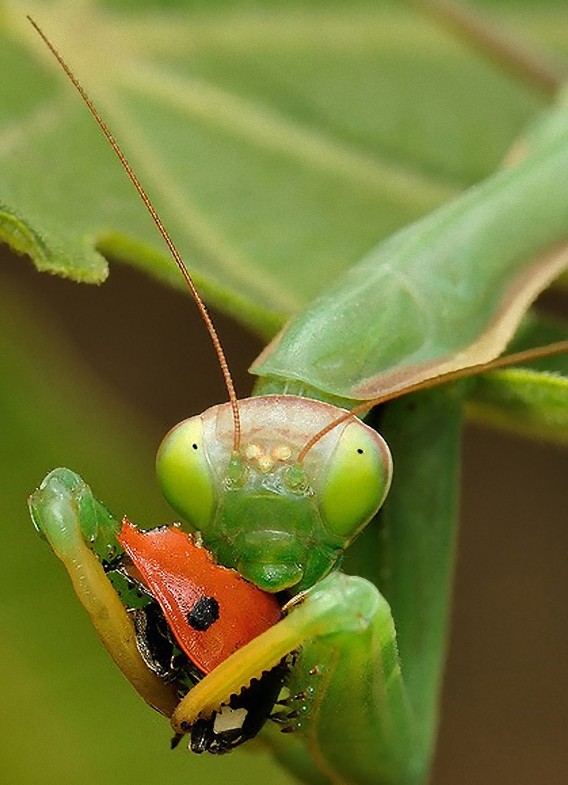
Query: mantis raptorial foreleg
x=78 y=527
x=343 y=626
x=347 y=641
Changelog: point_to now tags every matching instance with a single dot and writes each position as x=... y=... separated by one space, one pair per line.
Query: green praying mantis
x=380 y=728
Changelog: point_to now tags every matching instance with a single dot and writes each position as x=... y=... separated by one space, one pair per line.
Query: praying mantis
x=381 y=743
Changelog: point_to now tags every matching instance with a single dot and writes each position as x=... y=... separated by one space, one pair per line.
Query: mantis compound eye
x=357 y=480
x=184 y=473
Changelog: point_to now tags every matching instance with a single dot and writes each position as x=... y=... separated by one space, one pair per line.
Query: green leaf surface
x=280 y=143
x=524 y=401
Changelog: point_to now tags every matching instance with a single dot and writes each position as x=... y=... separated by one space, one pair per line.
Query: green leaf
x=532 y=403
x=280 y=143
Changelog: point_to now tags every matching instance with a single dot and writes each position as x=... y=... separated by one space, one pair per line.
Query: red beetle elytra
x=211 y=611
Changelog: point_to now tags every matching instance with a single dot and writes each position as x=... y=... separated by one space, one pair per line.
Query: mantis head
x=280 y=522
x=246 y=475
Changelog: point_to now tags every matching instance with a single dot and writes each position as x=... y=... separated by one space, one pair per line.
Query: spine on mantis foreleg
x=358 y=723
x=348 y=707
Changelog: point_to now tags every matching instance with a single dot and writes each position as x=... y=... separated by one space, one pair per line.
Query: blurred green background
x=92 y=378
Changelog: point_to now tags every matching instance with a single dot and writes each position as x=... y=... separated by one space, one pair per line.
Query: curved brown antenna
x=162 y=230
x=528 y=355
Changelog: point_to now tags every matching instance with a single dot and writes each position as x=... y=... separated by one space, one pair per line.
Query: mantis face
x=279 y=522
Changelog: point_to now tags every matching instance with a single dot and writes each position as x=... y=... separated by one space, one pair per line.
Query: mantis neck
x=271 y=385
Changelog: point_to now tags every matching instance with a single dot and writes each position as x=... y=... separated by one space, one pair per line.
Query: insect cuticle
x=236 y=473
x=204 y=613
x=295 y=478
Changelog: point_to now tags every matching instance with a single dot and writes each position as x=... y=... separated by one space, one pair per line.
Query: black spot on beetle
x=360 y=451
x=194 y=446
x=203 y=614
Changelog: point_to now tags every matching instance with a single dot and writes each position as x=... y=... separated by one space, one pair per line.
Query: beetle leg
x=348 y=671
x=81 y=530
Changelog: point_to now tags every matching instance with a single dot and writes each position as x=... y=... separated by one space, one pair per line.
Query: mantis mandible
x=380 y=728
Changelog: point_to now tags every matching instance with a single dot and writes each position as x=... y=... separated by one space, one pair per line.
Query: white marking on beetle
x=228 y=719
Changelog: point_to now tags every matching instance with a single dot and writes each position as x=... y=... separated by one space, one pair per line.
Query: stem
x=414 y=553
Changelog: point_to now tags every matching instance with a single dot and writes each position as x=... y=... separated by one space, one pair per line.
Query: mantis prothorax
x=279 y=485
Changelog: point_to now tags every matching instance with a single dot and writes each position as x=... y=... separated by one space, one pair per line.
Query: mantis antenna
x=517 y=358
x=162 y=230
